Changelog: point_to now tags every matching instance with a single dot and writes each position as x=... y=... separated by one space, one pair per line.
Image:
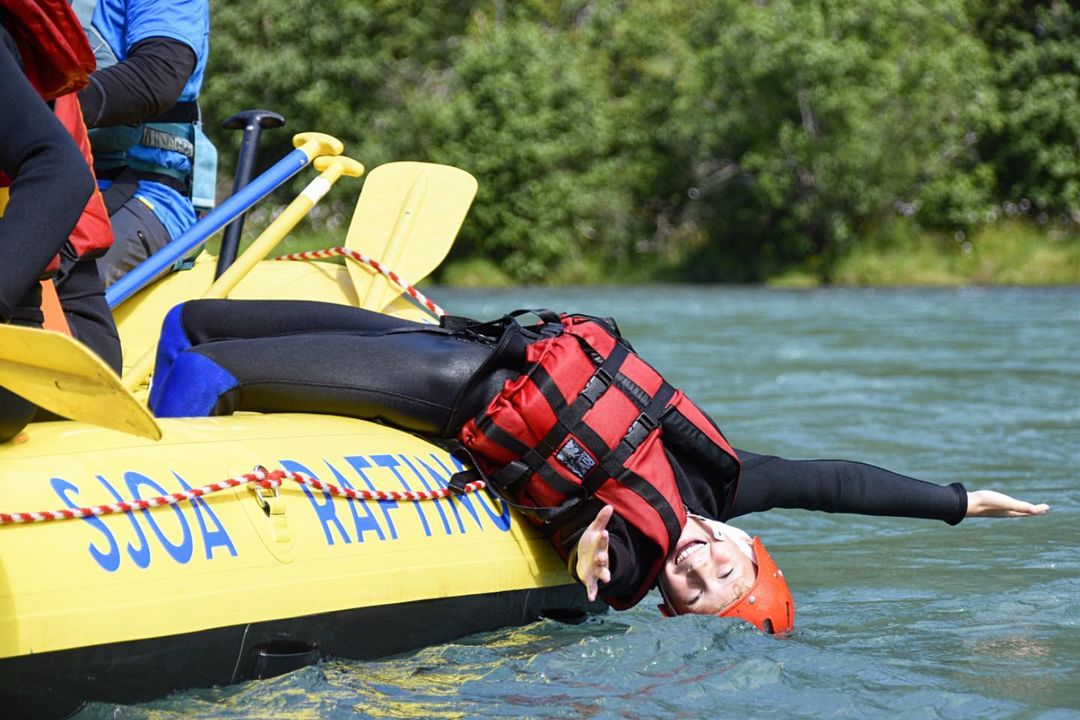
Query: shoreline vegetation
x=789 y=142
x=1010 y=252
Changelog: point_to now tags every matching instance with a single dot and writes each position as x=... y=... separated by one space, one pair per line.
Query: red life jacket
x=589 y=423
x=57 y=60
x=55 y=51
x=92 y=234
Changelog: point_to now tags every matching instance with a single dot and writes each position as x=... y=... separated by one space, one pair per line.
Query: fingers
x=593 y=559
x=602 y=518
x=1025 y=509
x=989 y=503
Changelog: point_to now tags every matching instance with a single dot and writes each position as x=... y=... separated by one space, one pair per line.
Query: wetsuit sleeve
x=841 y=486
x=146 y=84
x=50 y=183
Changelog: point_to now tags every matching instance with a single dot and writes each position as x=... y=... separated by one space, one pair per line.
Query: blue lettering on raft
x=441 y=484
x=435 y=502
x=431 y=474
x=465 y=500
x=181 y=551
x=211 y=540
x=110 y=558
x=360 y=463
x=362 y=524
x=325 y=510
x=502 y=520
x=389 y=461
x=141 y=557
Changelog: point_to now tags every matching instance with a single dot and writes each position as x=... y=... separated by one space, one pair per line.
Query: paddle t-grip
x=252 y=123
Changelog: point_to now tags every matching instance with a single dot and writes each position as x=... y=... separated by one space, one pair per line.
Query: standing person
x=152 y=161
x=51 y=203
x=630 y=480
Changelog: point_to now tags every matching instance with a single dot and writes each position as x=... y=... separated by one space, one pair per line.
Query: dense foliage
x=706 y=139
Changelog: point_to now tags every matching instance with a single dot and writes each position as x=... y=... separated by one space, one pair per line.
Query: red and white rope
x=258 y=478
x=262 y=478
x=363 y=259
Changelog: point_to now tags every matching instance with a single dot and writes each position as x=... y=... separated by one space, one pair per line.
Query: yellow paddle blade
x=57 y=373
x=407 y=218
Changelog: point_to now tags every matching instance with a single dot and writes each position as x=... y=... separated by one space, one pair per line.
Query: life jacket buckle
x=639 y=430
x=598 y=383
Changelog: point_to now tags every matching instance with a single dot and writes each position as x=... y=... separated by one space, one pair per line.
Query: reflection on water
x=895 y=617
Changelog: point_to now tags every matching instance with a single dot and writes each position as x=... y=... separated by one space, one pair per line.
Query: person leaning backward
x=152 y=161
x=631 y=481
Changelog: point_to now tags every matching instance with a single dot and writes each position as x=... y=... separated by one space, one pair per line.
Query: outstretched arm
x=852 y=487
x=841 y=486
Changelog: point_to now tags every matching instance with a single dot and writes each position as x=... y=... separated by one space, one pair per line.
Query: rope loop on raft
x=259 y=478
x=363 y=259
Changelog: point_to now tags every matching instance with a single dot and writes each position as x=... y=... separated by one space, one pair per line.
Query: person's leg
x=410 y=380
x=197 y=322
x=207 y=320
x=137 y=235
x=82 y=295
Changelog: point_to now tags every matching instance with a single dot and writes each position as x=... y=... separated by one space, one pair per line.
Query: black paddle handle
x=252 y=122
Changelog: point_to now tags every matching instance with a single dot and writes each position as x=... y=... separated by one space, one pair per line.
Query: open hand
x=592 y=553
x=988 y=503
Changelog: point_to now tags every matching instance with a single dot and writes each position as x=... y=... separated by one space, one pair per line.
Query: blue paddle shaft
x=143 y=273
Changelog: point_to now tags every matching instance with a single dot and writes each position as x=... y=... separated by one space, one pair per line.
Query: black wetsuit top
x=768 y=482
x=50 y=184
x=145 y=84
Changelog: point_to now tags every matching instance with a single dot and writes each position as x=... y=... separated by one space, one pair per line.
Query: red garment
x=590 y=419
x=57 y=60
x=56 y=54
x=92 y=235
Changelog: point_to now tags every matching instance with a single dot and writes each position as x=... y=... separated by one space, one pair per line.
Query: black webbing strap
x=648 y=492
x=541 y=514
x=124 y=186
x=568 y=418
x=613 y=463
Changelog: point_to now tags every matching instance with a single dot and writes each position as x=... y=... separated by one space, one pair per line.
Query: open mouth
x=689 y=549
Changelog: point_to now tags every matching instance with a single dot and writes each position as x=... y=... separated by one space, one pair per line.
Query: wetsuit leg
x=206 y=320
x=407 y=378
x=82 y=295
x=201 y=321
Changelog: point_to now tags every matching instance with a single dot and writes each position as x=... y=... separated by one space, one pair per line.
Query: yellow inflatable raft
x=244 y=582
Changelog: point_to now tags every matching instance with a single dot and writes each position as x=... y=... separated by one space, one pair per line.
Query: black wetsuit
x=50 y=184
x=218 y=356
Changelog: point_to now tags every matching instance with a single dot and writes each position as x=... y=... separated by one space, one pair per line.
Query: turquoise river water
x=896 y=618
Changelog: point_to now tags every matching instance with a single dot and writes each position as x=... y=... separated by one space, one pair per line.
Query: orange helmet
x=768 y=604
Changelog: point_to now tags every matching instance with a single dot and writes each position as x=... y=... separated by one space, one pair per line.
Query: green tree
x=1034 y=145
x=813 y=119
x=348 y=69
x=525 y=114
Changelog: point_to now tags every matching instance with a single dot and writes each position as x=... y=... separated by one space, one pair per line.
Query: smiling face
x=703 y=574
